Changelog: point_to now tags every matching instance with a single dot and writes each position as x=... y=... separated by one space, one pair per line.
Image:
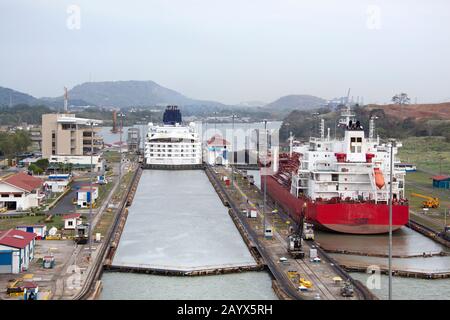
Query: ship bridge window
x=355 y=144
x=334 y=177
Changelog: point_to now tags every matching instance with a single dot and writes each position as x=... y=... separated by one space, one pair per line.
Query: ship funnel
x=172 y=115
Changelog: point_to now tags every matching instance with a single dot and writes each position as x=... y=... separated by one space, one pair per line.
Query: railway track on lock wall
x=362 y=290
x=97 y=269
x=282 y=279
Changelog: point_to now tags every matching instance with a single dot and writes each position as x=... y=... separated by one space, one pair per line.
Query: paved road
x=65 y=205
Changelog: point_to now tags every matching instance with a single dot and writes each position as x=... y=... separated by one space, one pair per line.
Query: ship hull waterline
x=352 y=218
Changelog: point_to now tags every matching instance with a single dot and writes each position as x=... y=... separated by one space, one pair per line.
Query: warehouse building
x=20 y=192
x=40 y=230
x=16 y=250
x=441 y=182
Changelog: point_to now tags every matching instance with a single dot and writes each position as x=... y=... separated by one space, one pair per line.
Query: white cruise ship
x=173 y=143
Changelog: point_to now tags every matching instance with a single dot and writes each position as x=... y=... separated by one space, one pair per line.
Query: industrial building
x=441 y=182
x=16 y=250
x=216 y=150
x=20 y=191
x=40 y=230
x=133 y=139
x=36 y=138
x=57 y=183
x=67 y=139
x=84 y=196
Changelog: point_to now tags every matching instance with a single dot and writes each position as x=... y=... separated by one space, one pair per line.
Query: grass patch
x=111 y=156
x=12 y=222
x=430 y=154
x=103 y=192
x=105 y=222
x=107 y=217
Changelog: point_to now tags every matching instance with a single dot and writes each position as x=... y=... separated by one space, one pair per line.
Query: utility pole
x=391 y=178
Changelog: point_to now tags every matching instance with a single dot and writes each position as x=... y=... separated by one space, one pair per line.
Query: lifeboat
x=379 y=178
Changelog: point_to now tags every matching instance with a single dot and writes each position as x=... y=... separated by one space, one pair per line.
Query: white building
x=216 y=152
x=172 y=143
x=57 y=183
x=79 y=162
x=72 y=220
x=16 y=250
x=20 y=192
x=40 y=230
x=84 y=196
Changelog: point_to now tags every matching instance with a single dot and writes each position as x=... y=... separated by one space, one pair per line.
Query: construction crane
x=429 y=202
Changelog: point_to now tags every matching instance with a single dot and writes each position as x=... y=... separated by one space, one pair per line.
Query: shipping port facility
x=129 y=190
x=316 y=227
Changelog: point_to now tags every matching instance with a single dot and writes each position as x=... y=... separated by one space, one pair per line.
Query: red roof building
x=24 y=181
x=16 y=238
x=440 y=178
x=20 y=192
x=71 y=216
x=71 y=221
x=16 y=250
x=217 y=141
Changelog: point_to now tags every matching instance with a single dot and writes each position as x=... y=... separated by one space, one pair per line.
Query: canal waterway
x=406 y=288
x=238 y=286
x=177 y=222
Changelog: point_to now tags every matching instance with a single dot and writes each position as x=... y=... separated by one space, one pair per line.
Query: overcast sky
x=231 y=50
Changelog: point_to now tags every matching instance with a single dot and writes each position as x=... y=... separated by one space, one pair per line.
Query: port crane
x=429 y=202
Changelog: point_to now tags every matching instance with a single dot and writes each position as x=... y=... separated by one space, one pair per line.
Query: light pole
x=121 y=115
x=265 y=175
x=233 y=150
x=391 y=169
x=445 y=217
x=215 y=132
x=91 y=190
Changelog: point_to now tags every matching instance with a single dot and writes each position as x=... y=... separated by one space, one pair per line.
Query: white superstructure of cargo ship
x=173 y=143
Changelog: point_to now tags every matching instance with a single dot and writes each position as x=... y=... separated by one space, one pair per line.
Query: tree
x=401 y=99
x=42 y=163
x=11 y=144
x=35 y=169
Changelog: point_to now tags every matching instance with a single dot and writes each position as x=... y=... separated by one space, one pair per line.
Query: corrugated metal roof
x=440 y=178
x=71 y=216
x=16 y=238
x=23 y=181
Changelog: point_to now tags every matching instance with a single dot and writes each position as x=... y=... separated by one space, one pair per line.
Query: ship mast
x=291 y=142
x=347 y=115
x=372 y=128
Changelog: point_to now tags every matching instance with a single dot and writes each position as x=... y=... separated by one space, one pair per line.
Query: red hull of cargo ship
x=345 y=217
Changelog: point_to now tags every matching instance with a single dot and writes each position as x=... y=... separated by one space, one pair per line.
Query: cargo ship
x=341 y=185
